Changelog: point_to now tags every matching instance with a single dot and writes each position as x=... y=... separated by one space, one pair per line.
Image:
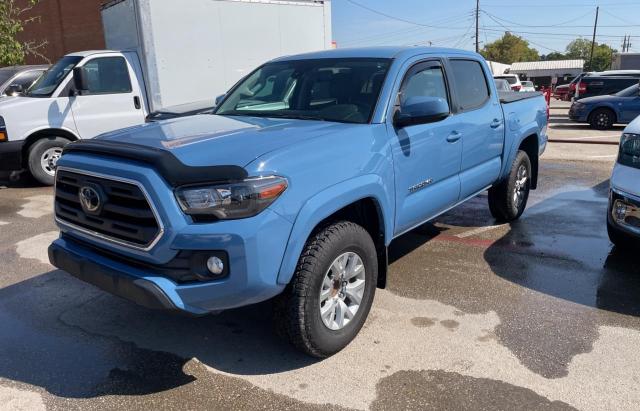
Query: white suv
x=513 y=79
x=623 y=219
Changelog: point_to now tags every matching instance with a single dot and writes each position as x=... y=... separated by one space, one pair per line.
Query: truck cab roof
x=390 y=52
x=88 y=53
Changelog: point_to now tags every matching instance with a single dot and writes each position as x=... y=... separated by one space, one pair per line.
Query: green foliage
x=12 y=51
x=581 y=49
x=554 y=56
x=509 y=49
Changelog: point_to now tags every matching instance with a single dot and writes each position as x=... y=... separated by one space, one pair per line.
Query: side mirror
x=219 y=99
x=13 y=90
x=80 y=80
x=421 y=110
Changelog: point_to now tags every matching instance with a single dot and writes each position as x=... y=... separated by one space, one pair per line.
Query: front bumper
x=578 y=114
x=11 y=155
x=254 y=247
x=630 y=221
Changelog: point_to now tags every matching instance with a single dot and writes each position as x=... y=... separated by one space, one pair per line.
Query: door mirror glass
x=219 y=99
x=13 y=90
x=421 y=110
x=80 y=79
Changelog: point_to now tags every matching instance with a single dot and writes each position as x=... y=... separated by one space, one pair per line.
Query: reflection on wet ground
x=552 y=276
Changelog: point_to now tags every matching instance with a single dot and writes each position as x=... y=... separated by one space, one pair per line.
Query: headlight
x=243 y=199
x=630 y=150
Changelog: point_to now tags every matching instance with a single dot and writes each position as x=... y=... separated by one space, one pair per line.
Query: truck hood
x=206 y=140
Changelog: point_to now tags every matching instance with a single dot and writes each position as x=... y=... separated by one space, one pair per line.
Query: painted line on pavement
x=478 y=230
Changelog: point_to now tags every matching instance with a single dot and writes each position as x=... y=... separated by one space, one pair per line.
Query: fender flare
x=529 y=130
x=327 y=202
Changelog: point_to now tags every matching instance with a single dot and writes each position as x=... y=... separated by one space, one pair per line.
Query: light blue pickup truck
x=293 y=189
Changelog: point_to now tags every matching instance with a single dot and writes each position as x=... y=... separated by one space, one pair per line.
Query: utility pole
x=593 y=42
x=624 y=43
x=477 y=28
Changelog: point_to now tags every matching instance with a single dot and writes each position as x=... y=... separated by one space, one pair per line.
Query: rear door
x=112 y=101
x=630 y=109
x=480 y=121
x=426 y=157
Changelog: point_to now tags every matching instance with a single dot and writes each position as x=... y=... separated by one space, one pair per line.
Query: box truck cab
x=105 y=95
x=204 y=53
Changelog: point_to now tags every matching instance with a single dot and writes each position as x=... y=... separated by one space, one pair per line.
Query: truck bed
x=507 y=97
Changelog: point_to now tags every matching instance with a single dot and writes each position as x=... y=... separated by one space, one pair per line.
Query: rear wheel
x=330 y=295
x=508 y=199
x=43 y=158
x=602 y=119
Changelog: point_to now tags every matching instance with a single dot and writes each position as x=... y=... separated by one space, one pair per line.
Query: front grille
x=125 y=214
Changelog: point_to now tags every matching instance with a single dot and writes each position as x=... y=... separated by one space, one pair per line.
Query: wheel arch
x=603 y=107
x=45 y=133
x=366 y=205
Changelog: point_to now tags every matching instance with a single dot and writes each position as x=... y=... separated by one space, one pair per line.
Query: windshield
x=341 y=90
x=628 y=92
x=51 y=79
x=510 y=79
x=6 y=74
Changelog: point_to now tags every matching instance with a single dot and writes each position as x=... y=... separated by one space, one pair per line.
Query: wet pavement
x=539 y=314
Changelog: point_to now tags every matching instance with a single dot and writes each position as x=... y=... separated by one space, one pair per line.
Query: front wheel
x=330 y=295
x=508 y=199
x=43 y=158
x=602 y=119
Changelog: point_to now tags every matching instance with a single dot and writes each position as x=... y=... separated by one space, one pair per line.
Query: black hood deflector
x=175 y=172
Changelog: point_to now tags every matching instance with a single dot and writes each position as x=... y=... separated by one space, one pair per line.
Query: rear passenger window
x=470 y=84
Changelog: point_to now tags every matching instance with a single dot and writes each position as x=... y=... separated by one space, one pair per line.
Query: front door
x=111 y=102
x=426 y=156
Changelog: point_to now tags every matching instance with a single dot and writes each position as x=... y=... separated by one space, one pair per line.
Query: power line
x=389 y=16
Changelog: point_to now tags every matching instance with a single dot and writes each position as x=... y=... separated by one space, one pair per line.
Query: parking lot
x=539 y=314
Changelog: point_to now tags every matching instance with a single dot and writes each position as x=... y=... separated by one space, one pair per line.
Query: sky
x=548 y=25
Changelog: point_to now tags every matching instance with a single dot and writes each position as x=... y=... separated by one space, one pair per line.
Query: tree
x=509 y=49
x=554 y=56
x=581 y=49
x=12 y=22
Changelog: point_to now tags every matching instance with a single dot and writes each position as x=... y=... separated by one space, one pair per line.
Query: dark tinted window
x=6 y=74
x=27 y=79
x=426 y=81
x=108 y=75
x=470 y=84
x=510 y=79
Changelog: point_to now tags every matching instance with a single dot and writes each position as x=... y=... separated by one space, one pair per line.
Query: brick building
x=66 y=25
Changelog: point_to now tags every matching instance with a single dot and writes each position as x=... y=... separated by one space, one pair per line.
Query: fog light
x=215 y=265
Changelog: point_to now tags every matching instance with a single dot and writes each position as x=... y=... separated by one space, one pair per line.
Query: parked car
x=183 y=110
x=89 y=93
x=590 y=86
x=294 y=191
x=528 y=86
x=602 y=112
x=14 y=80
x=513 y=79
x=623 y=217
x=502 y=85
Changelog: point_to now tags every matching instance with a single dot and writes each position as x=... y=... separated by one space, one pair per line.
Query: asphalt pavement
x=540 y=314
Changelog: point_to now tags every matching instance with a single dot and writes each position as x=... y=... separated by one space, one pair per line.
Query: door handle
x=136 y=103
x=496 y=123
x=454 y=136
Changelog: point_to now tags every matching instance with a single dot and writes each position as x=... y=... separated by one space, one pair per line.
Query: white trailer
x=194 y=50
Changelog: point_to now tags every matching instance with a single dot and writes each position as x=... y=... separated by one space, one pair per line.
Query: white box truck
x=163 y=53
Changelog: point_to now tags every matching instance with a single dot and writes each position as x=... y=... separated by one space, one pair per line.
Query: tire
x=297 y=311
x=504 y=205
x=602 y=119
x=43 y=156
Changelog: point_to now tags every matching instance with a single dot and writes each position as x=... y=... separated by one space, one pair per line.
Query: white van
x=513 y=79
x=173 y=55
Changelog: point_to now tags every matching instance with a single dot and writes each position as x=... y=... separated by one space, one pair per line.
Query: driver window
x=108 y=75
x=426 y=82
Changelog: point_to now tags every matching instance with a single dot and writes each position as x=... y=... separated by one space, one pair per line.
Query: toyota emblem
x=90 y=199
